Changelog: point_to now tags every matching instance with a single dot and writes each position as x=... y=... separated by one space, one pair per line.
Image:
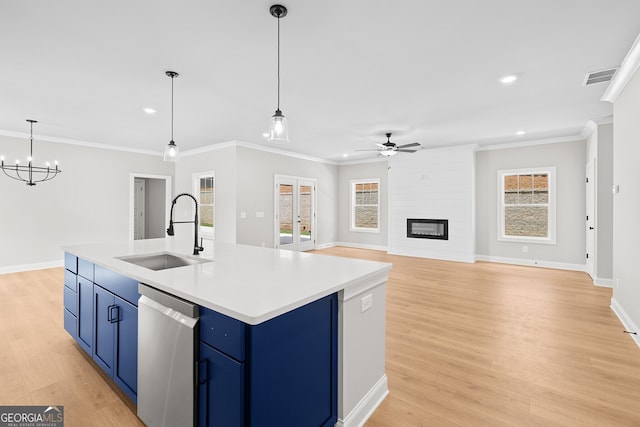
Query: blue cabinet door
x=85 y=314
x=126 y=359
x=220 y=389
x=293 y=367
x=104 y=340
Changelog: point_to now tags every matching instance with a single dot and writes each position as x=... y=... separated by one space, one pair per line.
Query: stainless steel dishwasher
x=166 y=359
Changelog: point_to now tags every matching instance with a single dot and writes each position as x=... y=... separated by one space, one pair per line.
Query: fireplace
x=428 y=228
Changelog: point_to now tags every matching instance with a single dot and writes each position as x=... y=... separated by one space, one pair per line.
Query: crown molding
x=630 y=65
x=531 y=143
x=235 y=143
x=588 y=129
x=68 y=141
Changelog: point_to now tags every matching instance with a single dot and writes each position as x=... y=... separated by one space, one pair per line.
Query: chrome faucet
x=196 y=248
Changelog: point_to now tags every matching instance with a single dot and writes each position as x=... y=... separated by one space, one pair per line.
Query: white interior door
x=295 y=213
x=590 y=219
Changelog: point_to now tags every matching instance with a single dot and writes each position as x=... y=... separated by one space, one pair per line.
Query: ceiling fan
x=391 y=149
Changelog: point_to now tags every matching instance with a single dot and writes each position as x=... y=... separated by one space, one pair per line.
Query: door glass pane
x=304 y=218
x=286 y=214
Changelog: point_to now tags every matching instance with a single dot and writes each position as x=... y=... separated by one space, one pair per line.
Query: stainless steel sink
x=162 y=261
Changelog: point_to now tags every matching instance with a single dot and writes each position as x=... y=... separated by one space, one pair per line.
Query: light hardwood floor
x=467 y=345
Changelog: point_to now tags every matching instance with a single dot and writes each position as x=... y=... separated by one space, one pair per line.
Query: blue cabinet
x=280 y=372
x=116 y=339
x=101 y=314
x=78 y=302
x=85 y=314
x=220 y=389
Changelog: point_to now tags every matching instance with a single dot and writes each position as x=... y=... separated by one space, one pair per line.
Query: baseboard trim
x=30 y=267
x=440 y=256
x=605 y=283
x=532 y=263
x=626 y=321
x=367 y=405
x=361 y=246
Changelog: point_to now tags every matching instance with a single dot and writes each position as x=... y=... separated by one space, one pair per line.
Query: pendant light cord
x=31 y=142
x=172 y=108
x=278 y=62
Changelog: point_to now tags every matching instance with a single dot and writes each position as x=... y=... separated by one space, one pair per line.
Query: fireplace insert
x=421 y=228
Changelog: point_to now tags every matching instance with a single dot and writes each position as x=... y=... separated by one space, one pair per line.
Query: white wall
x=223 y=162
x=437 y=184
x=244 y=182
x=626 y=204
x=155 y=203
x=346 y=173
x=87 y=202
x=255 y=193
x=569 y=160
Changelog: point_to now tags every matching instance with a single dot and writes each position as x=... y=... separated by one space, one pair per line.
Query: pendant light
x=278 y=129
x=171 y=151
x=29 y=173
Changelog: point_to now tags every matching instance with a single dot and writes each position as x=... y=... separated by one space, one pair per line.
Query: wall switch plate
x=243 y=215
x=366 y=302
x=259 y=214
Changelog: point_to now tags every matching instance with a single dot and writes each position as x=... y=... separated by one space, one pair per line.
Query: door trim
x=132 y=191
x=296 y=182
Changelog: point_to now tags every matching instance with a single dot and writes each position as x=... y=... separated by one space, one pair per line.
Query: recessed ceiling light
x=345 y=155
x=149 y=110
x=266 y=134
x=508 y=79
x=520 y=133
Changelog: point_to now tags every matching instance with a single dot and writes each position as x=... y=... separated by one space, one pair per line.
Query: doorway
x=149 y=205
x=295 y=213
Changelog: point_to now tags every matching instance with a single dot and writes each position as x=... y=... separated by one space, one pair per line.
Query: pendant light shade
x=278 y=128
x=171 y=150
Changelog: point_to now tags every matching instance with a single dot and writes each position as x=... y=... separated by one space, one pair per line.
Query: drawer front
x=71 y=280
x=223 y=333
x=116 y=283
x=85 y=269
x=71 y=324
x=71 y=301
x=71 y=262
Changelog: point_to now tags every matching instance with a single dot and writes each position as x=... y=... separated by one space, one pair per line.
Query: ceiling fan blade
x=373 y=149
x=413 y=144
x=381 y=145
x=406 y=151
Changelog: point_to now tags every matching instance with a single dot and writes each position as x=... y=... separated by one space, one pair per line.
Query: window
x=204 y=189
x=526 y=200
x=365 y=205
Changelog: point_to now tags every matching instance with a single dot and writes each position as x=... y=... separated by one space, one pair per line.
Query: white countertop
x=248 y=283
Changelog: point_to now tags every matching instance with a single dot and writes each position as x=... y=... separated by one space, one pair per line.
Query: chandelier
x=29 y=173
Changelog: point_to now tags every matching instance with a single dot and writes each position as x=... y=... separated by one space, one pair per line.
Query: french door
x=295 y=213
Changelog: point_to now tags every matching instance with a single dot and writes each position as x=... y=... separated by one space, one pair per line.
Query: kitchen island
x=254 y=287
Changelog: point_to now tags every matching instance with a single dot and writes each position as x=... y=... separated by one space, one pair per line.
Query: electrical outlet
x=366 y=302
x=525 y=249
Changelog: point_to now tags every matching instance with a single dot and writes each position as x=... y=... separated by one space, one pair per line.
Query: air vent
x=599 y=76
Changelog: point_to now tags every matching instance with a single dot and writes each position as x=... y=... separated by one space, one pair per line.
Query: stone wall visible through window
x=526 y=207
x=365 y=201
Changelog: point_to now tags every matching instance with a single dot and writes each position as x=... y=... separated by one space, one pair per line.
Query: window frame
x=551 y=204
x=352 y=226
x=208 y=233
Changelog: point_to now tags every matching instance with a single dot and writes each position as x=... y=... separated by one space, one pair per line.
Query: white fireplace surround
x=434 y=183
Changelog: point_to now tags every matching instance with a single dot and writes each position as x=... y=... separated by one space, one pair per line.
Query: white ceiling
x=351 y=70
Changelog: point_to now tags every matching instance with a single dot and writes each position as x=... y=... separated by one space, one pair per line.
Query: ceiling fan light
x=278 y=129
x=388 y=153
x=171 y=152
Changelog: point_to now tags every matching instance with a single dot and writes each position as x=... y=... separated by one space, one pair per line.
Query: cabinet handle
x=203 y=371
x=110 y=317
